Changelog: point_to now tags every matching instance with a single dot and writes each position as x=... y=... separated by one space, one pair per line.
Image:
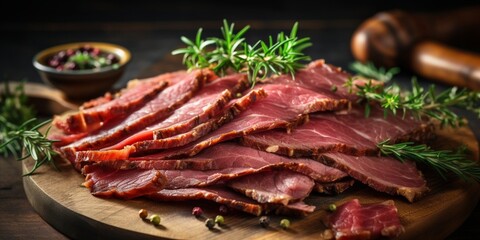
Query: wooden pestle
x=421 y=42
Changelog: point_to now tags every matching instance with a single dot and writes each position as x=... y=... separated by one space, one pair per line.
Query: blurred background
x=151 y=29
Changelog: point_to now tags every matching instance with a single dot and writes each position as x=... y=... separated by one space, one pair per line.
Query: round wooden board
x=61 y=200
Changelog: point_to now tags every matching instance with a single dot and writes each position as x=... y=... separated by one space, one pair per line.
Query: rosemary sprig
x=37 y=146
x=443 y=161
x=419 y=101
x=19 y=129
x=369 y=70
x=258 y=60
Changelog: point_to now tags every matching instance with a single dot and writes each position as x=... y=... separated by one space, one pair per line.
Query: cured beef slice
x=130 y=99
x=284 y=107
x=230 y=155
x=319 y=77
x=233 y=108
x=353 y=220
x=384 y=174
x=155 y=110
x=126 y=184
x=282 y=187
x=207 y=103
x=348 y=132
x=225 y=196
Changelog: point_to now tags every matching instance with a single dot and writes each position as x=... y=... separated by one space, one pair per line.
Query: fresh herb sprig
x=223 y=55
x=19 y=129
x=419 y=101
x=369 y=70
x=36 y=144
x=442 y=161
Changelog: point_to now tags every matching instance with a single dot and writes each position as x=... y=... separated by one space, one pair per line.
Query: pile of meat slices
x=193 y=135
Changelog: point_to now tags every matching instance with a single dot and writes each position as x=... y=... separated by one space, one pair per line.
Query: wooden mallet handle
x=420 y=42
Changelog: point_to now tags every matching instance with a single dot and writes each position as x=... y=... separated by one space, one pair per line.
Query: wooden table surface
x=150 y=44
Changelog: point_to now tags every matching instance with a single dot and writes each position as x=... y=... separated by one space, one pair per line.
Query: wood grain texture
x=61 y=200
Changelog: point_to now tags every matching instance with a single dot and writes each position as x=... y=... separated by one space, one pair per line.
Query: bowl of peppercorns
x=82 y=70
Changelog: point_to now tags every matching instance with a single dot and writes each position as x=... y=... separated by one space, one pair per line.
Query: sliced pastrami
x=353 y=220
x=225 y=196
x=320 y=77
x=278 y=186
x=347 y=132
x=384 y=174
x=210 y=101
x=234 y=107
x=229 y=155
x=125 y=184
x=284 y=107
x=137 y=94
x=155 y=110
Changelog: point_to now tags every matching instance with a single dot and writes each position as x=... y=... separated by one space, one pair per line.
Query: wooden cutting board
x=61 y=200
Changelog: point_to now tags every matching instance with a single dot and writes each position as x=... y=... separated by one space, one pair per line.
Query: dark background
x=152 y=29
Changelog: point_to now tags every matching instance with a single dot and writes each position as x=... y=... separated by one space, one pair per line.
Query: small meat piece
x=384 y=174
x=126 y=184
x=281 y=187
x=353 y=220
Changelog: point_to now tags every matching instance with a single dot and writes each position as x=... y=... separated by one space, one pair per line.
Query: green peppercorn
x=155 y=219
x=332 y=207
x=264 y=221
x=210 y=223
x=143 y=213
x=285 y=223
x=219 y=219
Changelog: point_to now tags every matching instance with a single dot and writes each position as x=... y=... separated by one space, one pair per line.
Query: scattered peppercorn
x=223 y=209
x=285 y=223
x=155 y=219
x=219 y=219
x=332 y=207
x=197 y=211
x=143 y=213
x=210 y=223
x=264 y=221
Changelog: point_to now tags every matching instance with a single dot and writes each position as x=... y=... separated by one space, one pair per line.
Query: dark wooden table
x=150 y=43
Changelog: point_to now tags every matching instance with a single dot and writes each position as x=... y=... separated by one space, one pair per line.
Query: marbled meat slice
x=155 y=110
x=235 y=107
x=353 y=220
x=229 y=155
x=384 y=174
x=277 y=186
x=225 y=196
x=133 y=97
x=284 y=107
x=207 y=103
x=319 y=77
x=348 y=132
x=125 y=184
x=219 y=195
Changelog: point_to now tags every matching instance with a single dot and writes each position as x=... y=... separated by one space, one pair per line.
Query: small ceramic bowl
x=82 y=84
